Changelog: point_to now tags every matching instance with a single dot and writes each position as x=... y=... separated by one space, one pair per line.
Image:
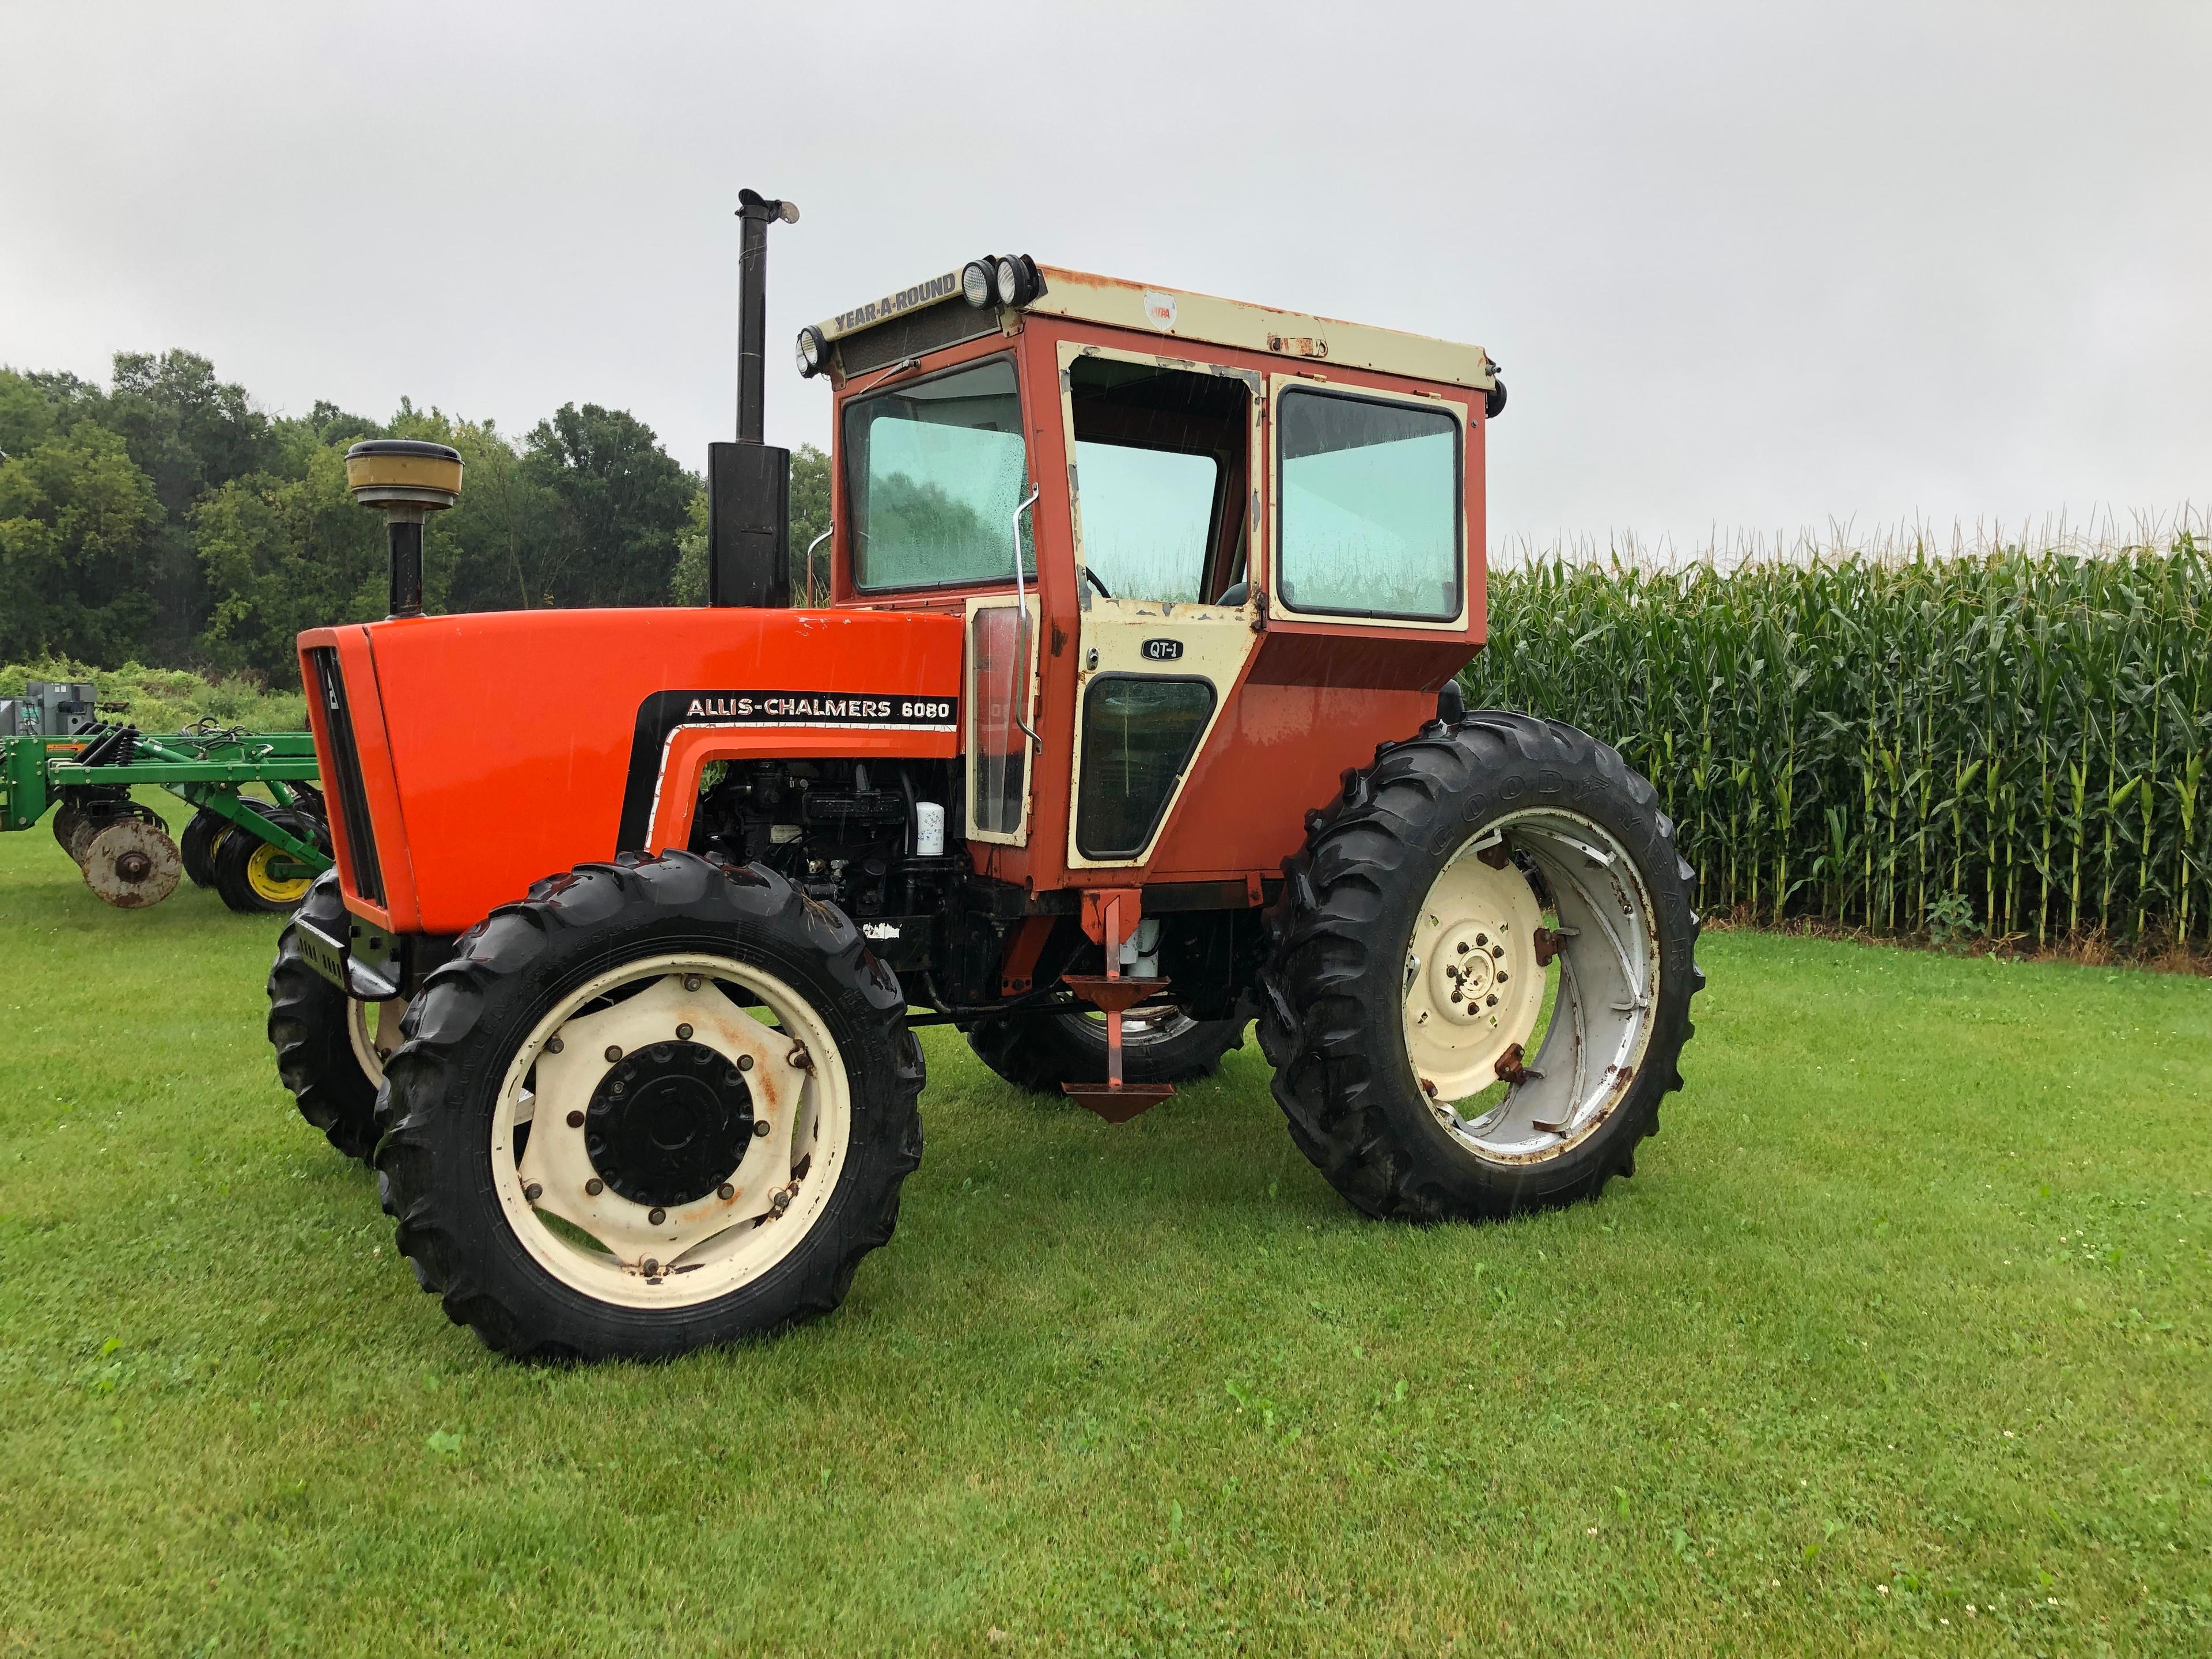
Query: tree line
x=167 y=519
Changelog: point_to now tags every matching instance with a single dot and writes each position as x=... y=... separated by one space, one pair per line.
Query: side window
x=1159 y=467
x=1370 y=512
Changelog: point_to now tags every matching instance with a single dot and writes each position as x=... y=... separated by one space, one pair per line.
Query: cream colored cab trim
x=1279 y=384
x=1183 y=315
x=1020 y=834
x=1111 y=636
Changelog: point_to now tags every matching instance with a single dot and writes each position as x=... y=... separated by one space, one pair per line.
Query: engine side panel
x=523 y=743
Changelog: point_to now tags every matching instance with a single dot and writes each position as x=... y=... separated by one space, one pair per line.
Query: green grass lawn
x=1900 y=1341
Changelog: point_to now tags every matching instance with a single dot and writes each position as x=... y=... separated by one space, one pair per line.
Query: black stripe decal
x=664 y=714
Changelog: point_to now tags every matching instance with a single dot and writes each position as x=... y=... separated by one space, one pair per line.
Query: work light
x=813 y=352
x=1016 y=280
x=975 y=283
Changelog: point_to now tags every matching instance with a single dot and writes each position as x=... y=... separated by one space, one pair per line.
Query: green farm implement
x=259 y=854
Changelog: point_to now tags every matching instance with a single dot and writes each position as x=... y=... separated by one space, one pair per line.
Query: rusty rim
x=769 y=1064
x=1532 y=980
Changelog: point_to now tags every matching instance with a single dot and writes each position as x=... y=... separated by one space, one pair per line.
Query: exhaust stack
x=749 y=482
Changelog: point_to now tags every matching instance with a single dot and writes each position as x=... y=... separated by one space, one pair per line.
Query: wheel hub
x=669 y=1124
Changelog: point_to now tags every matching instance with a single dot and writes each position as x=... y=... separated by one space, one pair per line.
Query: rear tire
x=311 y=1024
x=496 y=1210
x=1368 y=963
x=1042 y=1051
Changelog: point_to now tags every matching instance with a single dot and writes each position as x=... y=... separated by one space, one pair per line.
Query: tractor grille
x=345 y=764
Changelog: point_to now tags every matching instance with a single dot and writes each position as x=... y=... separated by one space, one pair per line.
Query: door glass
x=1146 y=513
x=933 y=472
x=1138 y=736
x=998 y=660
x=1371 y=509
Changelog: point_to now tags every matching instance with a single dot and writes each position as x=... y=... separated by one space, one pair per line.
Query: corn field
x=2012 y=742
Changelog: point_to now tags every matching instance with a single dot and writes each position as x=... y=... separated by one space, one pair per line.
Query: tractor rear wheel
x=201 y=837
x=658 y=1104
x=1042 y=1051
x=318 y=1031
x=255 y=877
x=1480 y=974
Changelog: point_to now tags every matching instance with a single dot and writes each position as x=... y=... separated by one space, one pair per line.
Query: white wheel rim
x=372 y=1028
x=1606 y=945
x=711 y=1245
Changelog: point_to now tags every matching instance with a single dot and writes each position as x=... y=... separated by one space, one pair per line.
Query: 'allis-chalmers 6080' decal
x=664 y=713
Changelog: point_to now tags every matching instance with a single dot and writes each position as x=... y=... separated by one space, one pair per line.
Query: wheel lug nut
x=1490 y=1002
x=533 y=1193
x=614 y=1052
x=693 y=982
x=554 y=1045
x=760 y=1127
x=652 y=1267
x=1462 y=947
x=1480 y=939
x=745 y=1062
x=614 y=1088
x=726 y=1192
x=575 y=1119
x=683 y=1034
x=1497 y=949
x=1503 y=976
x=781 y=1202
x=656 y=1215
x=595 y=1186
x=798 y=1056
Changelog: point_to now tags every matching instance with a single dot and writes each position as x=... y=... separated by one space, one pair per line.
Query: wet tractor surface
x=1900 y=1341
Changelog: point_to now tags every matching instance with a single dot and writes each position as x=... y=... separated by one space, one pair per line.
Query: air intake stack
x=749 y=482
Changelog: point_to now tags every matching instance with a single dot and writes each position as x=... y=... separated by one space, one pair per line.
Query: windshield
x=933 y=472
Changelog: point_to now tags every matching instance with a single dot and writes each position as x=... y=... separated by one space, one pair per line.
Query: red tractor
x=1129 y=718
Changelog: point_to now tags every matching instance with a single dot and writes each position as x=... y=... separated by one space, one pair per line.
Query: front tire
x=658 y=1104
x=1406 y=986
x=318 y=1031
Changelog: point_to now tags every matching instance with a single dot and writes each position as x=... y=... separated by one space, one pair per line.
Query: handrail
x=1022 y=614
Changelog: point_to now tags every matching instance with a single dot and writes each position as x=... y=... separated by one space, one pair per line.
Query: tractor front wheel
x=1042 y=1051
x=1481 y=971
x=658 y=1104
x=325 y=1042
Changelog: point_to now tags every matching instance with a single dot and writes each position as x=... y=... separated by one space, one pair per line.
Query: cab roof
x=1180 y=314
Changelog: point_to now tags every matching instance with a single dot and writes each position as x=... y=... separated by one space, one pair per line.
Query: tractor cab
x=1184 y=534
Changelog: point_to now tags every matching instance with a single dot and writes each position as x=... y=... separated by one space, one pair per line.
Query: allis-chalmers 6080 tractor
x=1128 y=719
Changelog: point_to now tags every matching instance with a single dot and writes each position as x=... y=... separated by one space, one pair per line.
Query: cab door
x=1164 y=463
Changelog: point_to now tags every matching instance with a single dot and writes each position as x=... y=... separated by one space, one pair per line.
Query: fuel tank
x=467 y=756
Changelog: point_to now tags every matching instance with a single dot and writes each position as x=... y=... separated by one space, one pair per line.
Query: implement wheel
x=1481 y=973
x=131 y=864
x=326 y=1052
x=201 y=837
x=658 y=1104
x=256 y=878
x=1042 y=1051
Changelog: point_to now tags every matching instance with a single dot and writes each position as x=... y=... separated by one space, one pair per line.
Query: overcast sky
x=1765 y=265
